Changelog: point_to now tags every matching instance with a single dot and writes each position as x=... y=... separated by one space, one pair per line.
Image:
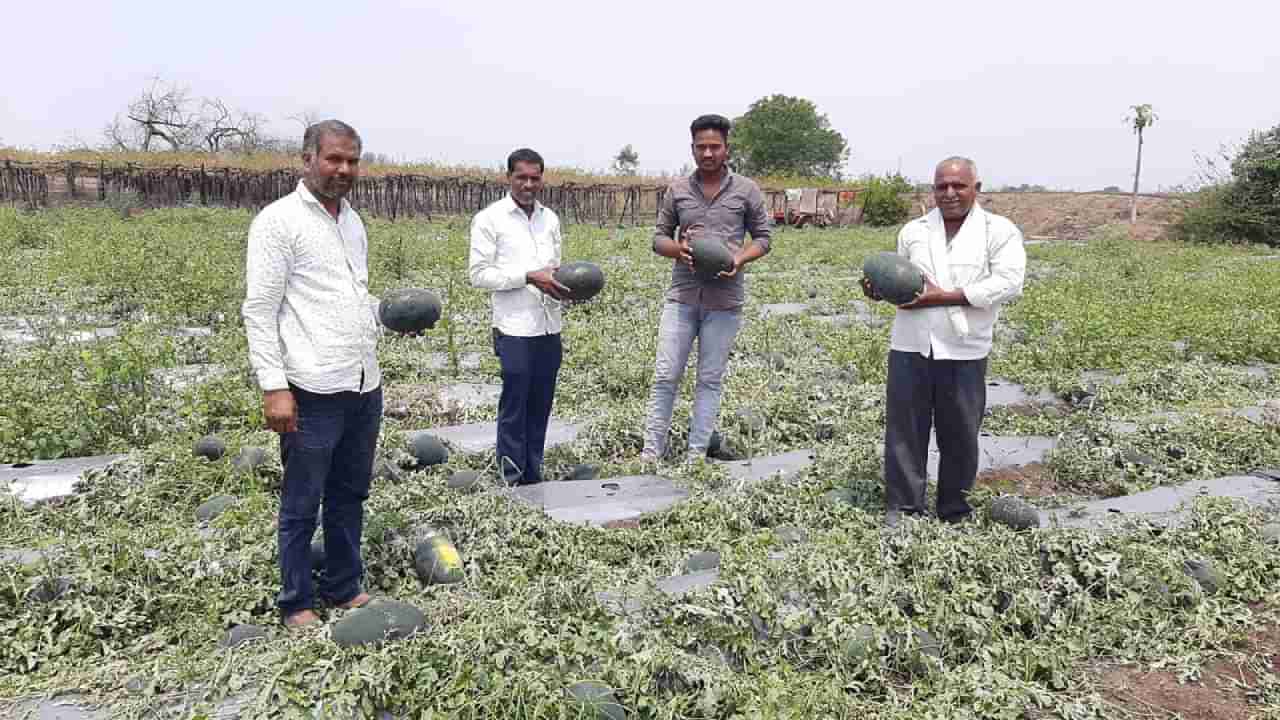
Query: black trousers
x=529 y=369
x=950 y=396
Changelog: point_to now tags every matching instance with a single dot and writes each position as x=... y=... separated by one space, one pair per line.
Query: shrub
x=883 y=201
x=1245 y=206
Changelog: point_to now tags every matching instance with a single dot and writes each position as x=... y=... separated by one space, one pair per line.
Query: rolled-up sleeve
x=268 y=262
x=1008 y=265
x=667 y=219
x=758 y=221
x=483 y=264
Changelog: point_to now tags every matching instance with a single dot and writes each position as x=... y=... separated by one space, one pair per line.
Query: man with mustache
x=515 y=249
x=312 y=337
x=728 y=207
x=974 y=262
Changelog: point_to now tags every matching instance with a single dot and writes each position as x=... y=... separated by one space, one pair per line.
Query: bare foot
x=302 y=618
x=355 y=602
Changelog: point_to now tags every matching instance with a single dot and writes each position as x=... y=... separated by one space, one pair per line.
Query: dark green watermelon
x=893 y=277
x=377 y=621
x=410 y=310
x=427 y=450
x=214 y=506
x=210 y=447
x=463 y=480
x=249 y=459
x=710 y=256
x=585 y=280
x=1014 y=512
x=596 y=700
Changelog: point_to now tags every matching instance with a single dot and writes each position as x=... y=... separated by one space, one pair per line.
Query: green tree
x=1244 y=204
x=781 y=135
x=1142 y=118
x=626 y=161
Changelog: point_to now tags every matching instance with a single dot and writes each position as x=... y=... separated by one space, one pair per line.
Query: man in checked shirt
x=313 y=337
x=716 y=201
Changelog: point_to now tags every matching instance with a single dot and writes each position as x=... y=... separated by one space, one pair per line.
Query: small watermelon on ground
x=585 y=280
x=409 y=310
x=723 y=447
x=710 y=256
x=1205 y=574
x=427 y=450
x=210 y=447
x=214 y=506
x=436 y=559
x=463 y=480
x=378 y=621
x=840 y=497
x=697 y=562
x=596 y=700
x=249 y=459
x=893 y=277
x=241 y=634
x=1014 y=512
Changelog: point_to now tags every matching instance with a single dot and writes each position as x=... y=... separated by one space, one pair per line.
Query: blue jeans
x=529 y=369
x=715 y=331
x=328 y=459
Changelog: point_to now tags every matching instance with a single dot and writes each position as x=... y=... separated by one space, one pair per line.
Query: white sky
x=1035 y=92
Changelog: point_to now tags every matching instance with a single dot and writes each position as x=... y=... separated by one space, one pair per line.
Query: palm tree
x=1141 y=119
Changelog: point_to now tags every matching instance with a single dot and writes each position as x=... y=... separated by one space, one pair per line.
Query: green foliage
x=626 y=161
x=781 y=135
x=1244 y=207
x=884 y=200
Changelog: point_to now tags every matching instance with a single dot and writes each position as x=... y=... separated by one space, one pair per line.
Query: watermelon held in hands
x=893 y=277
x=410 y=310
x=710 y=256
x=585 y=280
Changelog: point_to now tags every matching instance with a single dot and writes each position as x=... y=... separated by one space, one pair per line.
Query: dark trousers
x=950 y=396
x=529 y=369
x=328 y=459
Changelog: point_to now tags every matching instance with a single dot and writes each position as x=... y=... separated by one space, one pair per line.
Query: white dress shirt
x=307 y=311
x=986 y=260
x=505 y=244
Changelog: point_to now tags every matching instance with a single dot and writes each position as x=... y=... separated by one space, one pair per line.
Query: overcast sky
x=1035 y=92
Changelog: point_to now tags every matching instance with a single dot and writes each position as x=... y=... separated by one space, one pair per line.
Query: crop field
x=1143 y=364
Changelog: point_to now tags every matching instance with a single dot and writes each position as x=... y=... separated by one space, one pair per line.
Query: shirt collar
x=695 y=178
x=510 y=205
x=308 y=197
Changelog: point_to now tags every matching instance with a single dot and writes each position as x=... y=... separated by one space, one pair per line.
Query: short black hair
x=524 y=155
x=711 y=122
x=311 y=137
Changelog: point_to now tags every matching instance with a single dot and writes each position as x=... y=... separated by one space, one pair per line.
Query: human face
x=710 y=151
x=331 y=172
x=526 y=182
x=954 y=190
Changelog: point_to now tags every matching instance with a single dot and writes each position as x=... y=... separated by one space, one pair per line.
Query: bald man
x=974 y=262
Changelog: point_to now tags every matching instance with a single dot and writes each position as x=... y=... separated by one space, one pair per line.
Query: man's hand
x=686 y=255
x=737 y=265
x=869 y=291
x=280 y=410
x=931 y=296
x=545 y=281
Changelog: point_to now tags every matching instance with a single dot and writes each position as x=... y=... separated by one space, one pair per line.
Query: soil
x=1223 y=692
x=1077 y=216
x=1032 y=480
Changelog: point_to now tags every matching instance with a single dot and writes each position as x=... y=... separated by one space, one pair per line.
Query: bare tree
x=1142 y=118
x=224 y=128
x=161 y=111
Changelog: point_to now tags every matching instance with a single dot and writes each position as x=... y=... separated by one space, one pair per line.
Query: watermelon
x=893 y=277
x=377 y=621
x=427 y=450
x=1013 y=512
x=710 y=256
x=463 y=480
x=697 y=562
x=585 y=280
x=436 y=560
x=721 y=447
x=214 y=506
x=410 y=310
x=596 y=700
x=249 y=459
x=210 y=447
x=241 y=634
x=861 y=646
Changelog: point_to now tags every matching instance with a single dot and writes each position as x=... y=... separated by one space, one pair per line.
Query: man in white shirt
x=312 y=337
x=515 y=249
x=974 y=261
